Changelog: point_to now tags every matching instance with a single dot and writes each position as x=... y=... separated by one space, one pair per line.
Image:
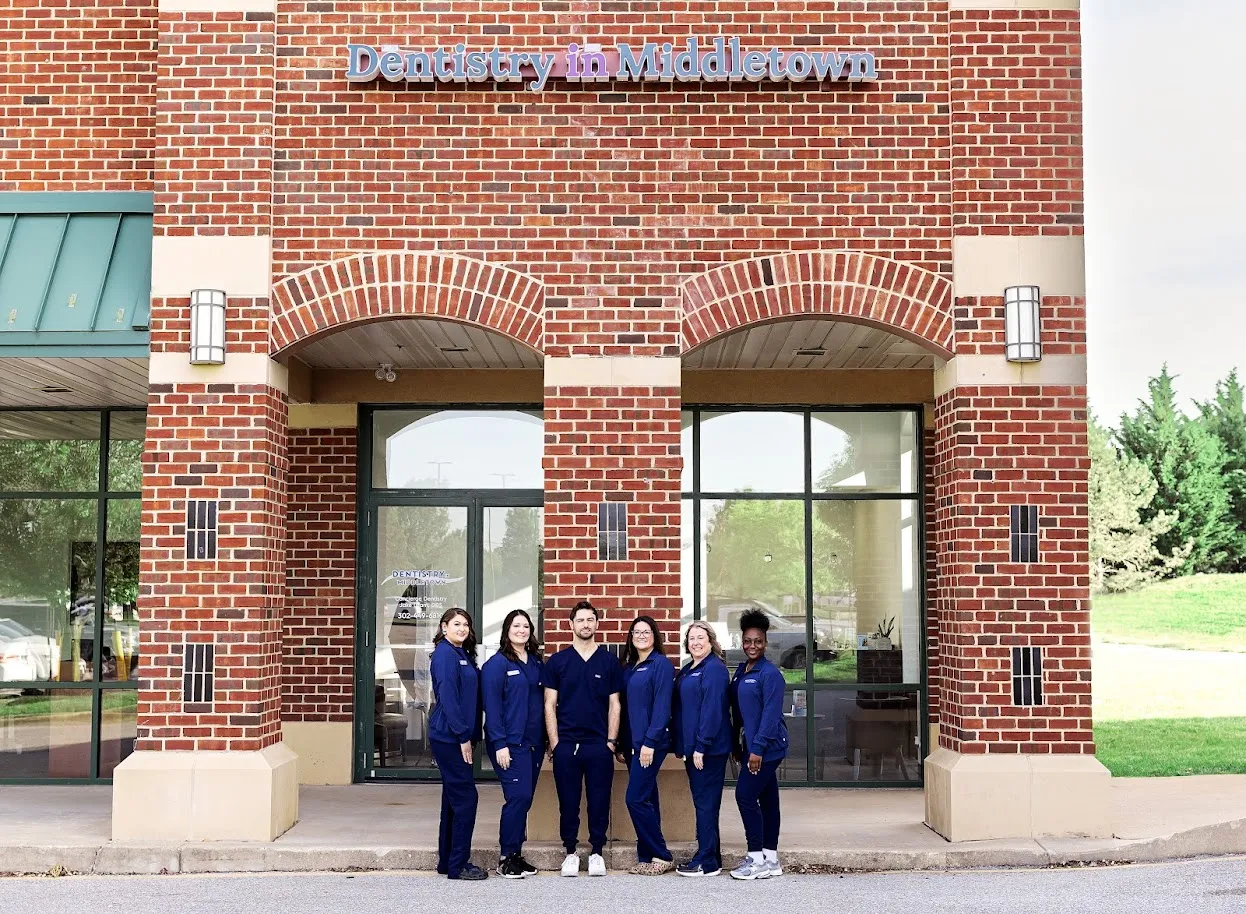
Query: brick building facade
x=628 y=260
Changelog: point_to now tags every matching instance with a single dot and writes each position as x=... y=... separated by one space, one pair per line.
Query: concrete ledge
x=612 y=371
x=323 y=750
x=1013 y=4
x=239 y=368
x=218 y=6
x=985 y=265
x=983 y=797
x=205 y=796
x=324 y=415
x=997 y=371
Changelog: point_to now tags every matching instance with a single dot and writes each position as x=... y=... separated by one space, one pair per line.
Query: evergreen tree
x=1225 y=418
x=1123 y=555
x=1187 y=464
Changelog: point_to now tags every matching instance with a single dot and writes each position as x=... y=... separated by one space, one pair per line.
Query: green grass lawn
x=28 y=706
x=1201 y=612
x=1167 y=748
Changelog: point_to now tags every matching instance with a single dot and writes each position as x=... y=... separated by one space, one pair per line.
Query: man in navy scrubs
x=582 y=713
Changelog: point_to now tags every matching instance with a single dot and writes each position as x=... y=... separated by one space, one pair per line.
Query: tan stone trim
x=815 y=387
x=985 y=265
x=218 y=6
x=239 y=265
x=239 y=368
x=612 y=371
x=205 y=796
x=300 y=390
x=972 y=797
x=996 y=371
x=324 y=415
x=1015 y=4
x=323 y=748
x=488 y=385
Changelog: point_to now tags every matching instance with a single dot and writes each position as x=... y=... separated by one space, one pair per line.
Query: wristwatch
x=612 y=743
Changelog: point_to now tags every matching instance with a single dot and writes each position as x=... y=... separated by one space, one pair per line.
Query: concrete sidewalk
x=394 y=827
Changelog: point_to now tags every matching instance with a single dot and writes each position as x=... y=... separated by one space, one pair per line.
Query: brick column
x=210 y=763
x=1014 y=435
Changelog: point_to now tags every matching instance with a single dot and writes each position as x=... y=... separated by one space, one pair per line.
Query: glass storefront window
x=866 y=736
x=64 y=632
x=457 y=449
x=752 y=452
x=49 y=451
x=864 y=452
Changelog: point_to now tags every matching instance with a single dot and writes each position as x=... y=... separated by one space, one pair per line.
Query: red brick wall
x=225 y=442
x=318 y=631
x=996 y=447
x=78 y=95
x=611 y=444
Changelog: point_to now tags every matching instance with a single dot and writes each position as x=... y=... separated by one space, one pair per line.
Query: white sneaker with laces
x=776 y=868
x=571 y=865
x=596 y=865
x=751 y=869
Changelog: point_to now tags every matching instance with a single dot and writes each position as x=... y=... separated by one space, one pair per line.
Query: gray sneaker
x=750 y=869
x=776 y=868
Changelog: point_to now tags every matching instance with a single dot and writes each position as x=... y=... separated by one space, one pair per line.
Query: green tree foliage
x=1187 y=463
x=1123 y=554
x=1225 y=417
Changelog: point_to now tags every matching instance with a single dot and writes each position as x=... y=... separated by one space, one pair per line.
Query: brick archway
x=396 y=284
x=861 y=288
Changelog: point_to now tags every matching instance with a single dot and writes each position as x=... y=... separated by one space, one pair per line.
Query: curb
x=114 y=859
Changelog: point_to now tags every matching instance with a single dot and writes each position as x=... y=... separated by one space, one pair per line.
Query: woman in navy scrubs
x=702 y=731
x=515 y=732
x=453 y=727
x=648 y=681
x=757 y=691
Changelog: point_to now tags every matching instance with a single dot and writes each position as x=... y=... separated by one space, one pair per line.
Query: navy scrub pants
x=518 y=788
x=592 y=765
x=642 y=805
x=707 y=798
x=458 y=808
x=757 y=795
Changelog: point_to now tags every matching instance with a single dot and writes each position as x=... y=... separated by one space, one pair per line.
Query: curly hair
x=755 y=618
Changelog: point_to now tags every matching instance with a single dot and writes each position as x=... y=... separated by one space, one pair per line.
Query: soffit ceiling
x=417 y=343
x=844 y=345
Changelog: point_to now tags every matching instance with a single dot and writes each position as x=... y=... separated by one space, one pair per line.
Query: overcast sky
x=1165 y=195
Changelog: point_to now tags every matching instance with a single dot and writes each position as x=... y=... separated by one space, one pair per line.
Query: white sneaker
x=596 y=865
x=751 y=869
x=571 y=865
x=776 y=868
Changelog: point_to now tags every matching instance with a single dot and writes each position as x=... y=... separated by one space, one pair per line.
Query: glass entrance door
x=422 y=557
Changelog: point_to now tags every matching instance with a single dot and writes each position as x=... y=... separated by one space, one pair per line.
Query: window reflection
x=126 y=431
x=863 y=452
x=121 y=564
x=45 y=733
x=752 y=452
x=457 y=449
x=867 y=736
x=49 y=451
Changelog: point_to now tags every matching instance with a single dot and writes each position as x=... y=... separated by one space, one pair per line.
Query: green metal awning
x=75 y=274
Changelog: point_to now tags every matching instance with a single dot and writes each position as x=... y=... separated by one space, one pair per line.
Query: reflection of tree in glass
x=37 y=546
x=513 y=564
x=125 y=467
x=28 y=465
x=423 y=539
x=740 y=536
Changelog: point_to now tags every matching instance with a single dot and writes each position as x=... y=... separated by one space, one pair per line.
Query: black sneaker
x=509 y=868
x=470 y=873
x=528 y=868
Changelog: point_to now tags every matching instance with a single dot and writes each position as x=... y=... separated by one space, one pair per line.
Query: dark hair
x=631 y=656
x=755 y=618
x=584 y=604
x=506 y=648
x=469 y=646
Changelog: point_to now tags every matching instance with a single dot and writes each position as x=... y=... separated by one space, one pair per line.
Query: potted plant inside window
x=880 y=640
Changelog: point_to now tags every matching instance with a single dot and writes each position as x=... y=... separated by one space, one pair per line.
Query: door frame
x=368 y=501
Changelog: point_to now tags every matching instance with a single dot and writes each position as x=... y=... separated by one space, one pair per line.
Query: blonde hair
x=709 y=631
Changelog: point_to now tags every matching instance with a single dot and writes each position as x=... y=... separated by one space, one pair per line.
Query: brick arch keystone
x=379 y=285
x=861 y=288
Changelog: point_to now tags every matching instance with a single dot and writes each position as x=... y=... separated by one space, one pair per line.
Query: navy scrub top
x=584 y=688
x=757 y=704
x=702 y=721
x=514 y=704
x=647 y=689
x=456 y=689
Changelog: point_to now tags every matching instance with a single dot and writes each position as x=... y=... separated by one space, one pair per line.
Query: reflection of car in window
x=788 y=645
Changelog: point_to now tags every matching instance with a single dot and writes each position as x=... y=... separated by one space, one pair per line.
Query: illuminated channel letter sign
x=723 y=60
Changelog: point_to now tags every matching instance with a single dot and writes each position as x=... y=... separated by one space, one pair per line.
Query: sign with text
x=721 y=60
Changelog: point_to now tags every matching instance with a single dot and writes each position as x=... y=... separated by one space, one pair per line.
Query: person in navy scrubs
x=515 y=733
x=453 y=727
x=757 y=691
x=582 y=712
x=702 y=738
x=648 y=681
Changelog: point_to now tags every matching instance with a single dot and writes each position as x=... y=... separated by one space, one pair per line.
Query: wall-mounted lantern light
x=1023 y=339
x=207 y=327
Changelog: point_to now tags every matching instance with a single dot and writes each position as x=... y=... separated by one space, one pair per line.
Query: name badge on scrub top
x=512 y=672
x=462 y=663
x=597 y=675
x=751 y=680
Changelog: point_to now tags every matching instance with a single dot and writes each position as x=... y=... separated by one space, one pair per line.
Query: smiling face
x=584 y=624
x=754 y=641
x=698 y=643
x=457 y=630
x=518 y=633
x=642 y=637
